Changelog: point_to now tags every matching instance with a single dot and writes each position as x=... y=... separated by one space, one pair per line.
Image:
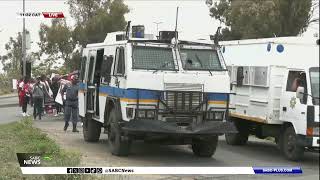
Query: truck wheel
x=237 y=139
x=240 y=138
x=205 y=148
x=91 y=130
x=119 y=145
x=289 y=146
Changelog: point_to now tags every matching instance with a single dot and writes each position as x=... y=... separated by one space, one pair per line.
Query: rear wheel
x=240 y=138
x=91 y=130
x=289 y=146
x=119 y=144
x=205 y=147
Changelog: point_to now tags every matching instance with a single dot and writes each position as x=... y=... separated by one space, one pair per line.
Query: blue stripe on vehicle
x=143 y=93
x=82 y=86
x=217 y=97
x=129 y=93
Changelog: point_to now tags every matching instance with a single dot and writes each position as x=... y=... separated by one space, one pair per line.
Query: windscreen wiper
x=201 y=63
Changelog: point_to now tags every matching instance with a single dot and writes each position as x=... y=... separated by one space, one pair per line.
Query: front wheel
x=289 y=146
x=120 y=145
x=91 y=129
x=240 y=138
x=205 y=147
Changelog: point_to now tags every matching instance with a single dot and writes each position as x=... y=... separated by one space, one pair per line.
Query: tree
x=12 y=60
x=55 y=42
x=260 y=18
x=96 y=18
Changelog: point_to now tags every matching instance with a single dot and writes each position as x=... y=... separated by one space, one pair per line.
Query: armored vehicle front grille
x=183 y=101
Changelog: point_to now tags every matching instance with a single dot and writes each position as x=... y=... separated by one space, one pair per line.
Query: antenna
x=175 y=31
x=128 y=30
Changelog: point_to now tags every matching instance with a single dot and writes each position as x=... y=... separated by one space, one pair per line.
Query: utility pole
x=24 y=44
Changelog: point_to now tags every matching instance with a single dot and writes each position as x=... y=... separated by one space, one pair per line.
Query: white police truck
x=166 y=91
x=276 y=82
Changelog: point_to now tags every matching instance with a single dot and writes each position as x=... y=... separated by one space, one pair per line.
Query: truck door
x=82 y=87
x=93 y=80
x=293 y=109
x=91 y=89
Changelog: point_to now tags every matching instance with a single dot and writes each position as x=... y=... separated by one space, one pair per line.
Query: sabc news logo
x=32 y=159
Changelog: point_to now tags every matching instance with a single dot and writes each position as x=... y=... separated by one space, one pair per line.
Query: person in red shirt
x=19 y=89
x=24 y=95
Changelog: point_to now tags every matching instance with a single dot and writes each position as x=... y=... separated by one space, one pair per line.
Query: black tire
x=288 y=145
x=240 y=138
x=205 y=147
x=91 y=130
x=119 y=144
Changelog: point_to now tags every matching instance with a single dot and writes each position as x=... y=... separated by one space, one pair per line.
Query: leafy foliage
x=260 y=18
x=55 y=42
x=95 y=18
x=12 y=60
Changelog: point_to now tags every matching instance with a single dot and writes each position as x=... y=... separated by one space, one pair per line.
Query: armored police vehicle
x=166 y=91
x=276 y=82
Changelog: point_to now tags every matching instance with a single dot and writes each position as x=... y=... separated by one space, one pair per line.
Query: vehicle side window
x=294 y=80
x=120 y=61
x=83 y=68
x=91 y=63
x=106 y=68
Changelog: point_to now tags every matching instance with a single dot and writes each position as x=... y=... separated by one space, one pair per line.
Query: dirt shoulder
x=92 y=154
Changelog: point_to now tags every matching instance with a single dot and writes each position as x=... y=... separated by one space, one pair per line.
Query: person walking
x=55 y=88
x=71 y=105
x=38 y=95
x=19 y=90
x=24 y=96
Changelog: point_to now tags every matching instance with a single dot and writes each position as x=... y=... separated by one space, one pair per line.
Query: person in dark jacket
x=71 y=105
x=37 y=95
x=55 y=88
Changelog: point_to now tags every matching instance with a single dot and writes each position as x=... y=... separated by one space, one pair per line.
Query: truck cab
x=167 y=91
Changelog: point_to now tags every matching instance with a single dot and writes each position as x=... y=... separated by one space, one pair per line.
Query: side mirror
x=240 y=76
x=300 y=92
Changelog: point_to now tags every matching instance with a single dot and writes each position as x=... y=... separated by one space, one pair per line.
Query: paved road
x=10 y=110
x=256 y=153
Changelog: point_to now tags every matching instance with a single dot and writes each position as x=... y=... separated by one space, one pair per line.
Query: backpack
x=72 y=93
x=37 y=91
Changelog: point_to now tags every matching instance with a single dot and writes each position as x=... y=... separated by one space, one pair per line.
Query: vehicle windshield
x=200 y=59
x=152 y=58
x=314 y=77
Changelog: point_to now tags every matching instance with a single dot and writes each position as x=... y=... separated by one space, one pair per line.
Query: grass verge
x=23 y=137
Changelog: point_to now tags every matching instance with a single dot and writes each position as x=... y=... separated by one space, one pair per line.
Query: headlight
x=218 y=115
x=141 y=114
x=129 y=112
x=150 y=114
x=147 y=113
x=215 y=115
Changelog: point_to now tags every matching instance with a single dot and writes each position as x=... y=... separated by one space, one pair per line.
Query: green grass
x=23 y=137
x=4 y=91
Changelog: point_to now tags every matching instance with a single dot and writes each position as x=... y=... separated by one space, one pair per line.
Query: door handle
x=284 y=108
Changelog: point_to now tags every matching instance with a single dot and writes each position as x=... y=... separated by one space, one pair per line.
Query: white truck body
x=146 y=86
x=267 y=94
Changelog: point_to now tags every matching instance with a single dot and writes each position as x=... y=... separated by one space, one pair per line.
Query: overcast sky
x=194 y=20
